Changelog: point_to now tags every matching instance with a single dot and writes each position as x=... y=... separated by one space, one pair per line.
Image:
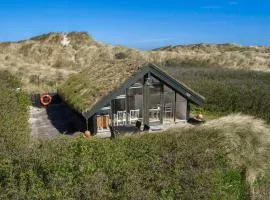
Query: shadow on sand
x=59 y=115
x=64 y=119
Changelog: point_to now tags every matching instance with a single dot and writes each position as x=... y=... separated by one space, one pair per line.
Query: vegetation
x=86 y=88
x=221 y=55
x=14 y=132
x=206 y=162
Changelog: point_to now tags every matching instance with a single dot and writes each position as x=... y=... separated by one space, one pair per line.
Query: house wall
x=154 y=98
x=181 y=108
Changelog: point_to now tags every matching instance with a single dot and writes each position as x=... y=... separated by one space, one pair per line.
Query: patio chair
x=120 y=118
x=168 y=110
x=134 y=116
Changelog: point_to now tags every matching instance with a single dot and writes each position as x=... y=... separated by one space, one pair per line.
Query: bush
x=205 y=162
x=145 y=167
x=14 y=130
x=120 y=55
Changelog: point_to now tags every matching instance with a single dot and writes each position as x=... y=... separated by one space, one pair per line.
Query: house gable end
x=116 y=92
x=155 y=72
x=176 y=85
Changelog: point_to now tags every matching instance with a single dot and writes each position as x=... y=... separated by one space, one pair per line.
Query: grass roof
x=85 y=89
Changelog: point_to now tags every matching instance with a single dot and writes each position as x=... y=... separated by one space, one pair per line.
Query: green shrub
x=14 y=129
x=181 y=164
x=120 y=55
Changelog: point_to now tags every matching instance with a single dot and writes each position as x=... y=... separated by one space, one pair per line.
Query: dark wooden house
x=134 y=96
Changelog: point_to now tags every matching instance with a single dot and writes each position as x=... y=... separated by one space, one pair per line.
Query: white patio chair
x=134 y=116
x=168 y=113
x=168 y=110
x=154 y=113
x=121 y=118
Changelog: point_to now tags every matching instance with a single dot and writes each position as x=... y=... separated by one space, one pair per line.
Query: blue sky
x=141 y=24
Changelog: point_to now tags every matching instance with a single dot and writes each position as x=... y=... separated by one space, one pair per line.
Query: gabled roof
x=96 y=86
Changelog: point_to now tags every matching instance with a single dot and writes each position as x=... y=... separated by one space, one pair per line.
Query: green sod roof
x=83 y=90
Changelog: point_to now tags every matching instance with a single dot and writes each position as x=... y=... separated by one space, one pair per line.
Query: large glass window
x=128 y=107
x=119 y=110
x=169 y=105
x=155 y=104
x=135 y=103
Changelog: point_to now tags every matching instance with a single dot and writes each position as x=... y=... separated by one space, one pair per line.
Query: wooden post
x=161 y=103
x=112 y=119
x=112 y=111
x=126 y=105
x=188 y=110
x=87 y=125
x=94 y=121
x=145 y=101
x=111 y=114
x=174 y=109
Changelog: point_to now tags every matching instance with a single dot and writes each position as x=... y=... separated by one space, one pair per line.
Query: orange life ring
x=45 y=99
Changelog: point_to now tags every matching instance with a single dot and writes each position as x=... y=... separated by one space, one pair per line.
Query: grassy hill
x=45 y=61
x=218 y=55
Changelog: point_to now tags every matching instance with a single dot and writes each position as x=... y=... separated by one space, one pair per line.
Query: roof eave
x=178 y=86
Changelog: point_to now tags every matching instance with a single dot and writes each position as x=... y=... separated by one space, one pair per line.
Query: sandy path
x=52 y=121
